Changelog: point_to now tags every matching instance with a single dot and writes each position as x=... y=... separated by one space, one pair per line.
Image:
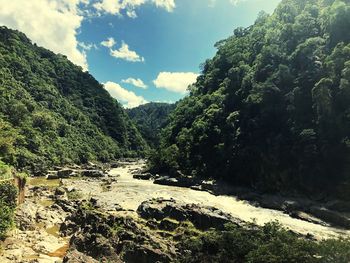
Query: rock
x=339 y=206
x=60 y=191
x=203 y=217
x=171 y=181
x=306 y=217
x=93 y=173
x=332 y=217
x=74 y=256
x=166 y=180
x=65 y=173
x=208 y=185
x=145 y=176
x=168 y=224
x=289 y=206
x=51 y=175
x=144 y=254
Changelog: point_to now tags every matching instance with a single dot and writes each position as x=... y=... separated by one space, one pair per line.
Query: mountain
x=271 y=110
x=150 y=118
x=52 y=113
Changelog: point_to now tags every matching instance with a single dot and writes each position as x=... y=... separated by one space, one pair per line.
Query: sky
x=141 y=50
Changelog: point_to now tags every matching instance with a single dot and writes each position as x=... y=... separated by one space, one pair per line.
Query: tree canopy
x=271 y=109
x=51 y=112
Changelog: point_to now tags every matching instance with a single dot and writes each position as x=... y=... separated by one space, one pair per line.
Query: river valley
x=37 y=237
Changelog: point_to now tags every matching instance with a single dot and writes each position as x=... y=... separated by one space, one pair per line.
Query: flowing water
x=129 y=193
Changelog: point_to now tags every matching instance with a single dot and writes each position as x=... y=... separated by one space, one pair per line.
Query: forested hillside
x=51 y=112
x=150 y=118
x=271 y=110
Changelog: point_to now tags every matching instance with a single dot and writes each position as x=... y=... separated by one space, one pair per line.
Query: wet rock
x=145 y=176
x=172 y=181
x=290 y=205
x=339 y=206
x=306 y=217
x=166 y=180
x=203 y=217
x=335 y=218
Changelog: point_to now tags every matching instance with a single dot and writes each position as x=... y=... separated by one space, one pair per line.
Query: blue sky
x=156 y=42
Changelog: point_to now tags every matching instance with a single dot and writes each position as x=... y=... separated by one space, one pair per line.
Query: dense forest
x=150 y=118
x=51 y=112
x=271 y=110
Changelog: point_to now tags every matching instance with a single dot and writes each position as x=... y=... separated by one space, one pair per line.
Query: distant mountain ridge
x=51 y=112
x=150 y=118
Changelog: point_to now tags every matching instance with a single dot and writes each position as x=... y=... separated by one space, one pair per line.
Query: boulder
x=60 y=191
x=65 y=173
x=168 y=224
x=332 y=217
x=171 y=181
x=203 y=217
x=339 y=206
x=144 y=254
x=144 y=176
x=51 y=175
x=93 y=173
x=74 y=256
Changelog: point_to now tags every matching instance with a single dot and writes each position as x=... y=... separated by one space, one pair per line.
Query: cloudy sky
x=142 y=50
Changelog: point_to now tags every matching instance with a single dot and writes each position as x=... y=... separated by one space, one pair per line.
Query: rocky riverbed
x=123 y=219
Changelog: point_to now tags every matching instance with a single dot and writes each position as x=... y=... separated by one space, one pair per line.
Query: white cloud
x=236 y=2
x=168 y=5
x=126 y=54
x=136 y=82
x=131 y=13
x=110 y=42
x=128 y=98
x=115 y=7
x=51 y=24
x=175 y=81
x=87 y=46
x=212 y=3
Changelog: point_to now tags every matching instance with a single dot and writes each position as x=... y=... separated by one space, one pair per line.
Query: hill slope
x=271 y=110
x=51 y=112
x=150 y=118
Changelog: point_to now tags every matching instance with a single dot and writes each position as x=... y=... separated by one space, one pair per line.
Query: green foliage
x=149 y=119
x=8 y=201
x=51 y=112
x=268 y=244
x=271 y=109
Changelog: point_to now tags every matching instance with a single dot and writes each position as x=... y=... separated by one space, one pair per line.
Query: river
x=129 y=193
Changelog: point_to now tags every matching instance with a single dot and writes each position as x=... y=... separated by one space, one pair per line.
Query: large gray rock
x=172 y=181
x=144 y=254
x=330 y=216
x=142 y=176
x=203 y=217
x=93 y=173
x=65 y=173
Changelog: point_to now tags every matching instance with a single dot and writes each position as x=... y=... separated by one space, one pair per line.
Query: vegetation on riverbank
x=268 y=244
x=8 y=199
x=53 y=113
x=271 y=109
